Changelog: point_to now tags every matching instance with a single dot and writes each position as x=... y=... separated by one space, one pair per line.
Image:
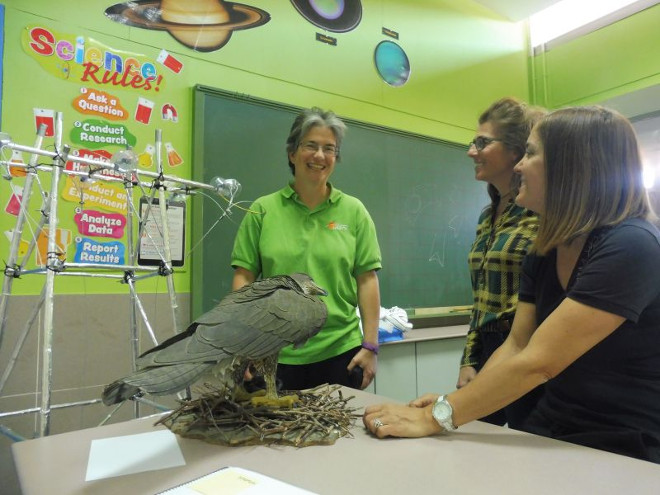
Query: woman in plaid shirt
x=504 y=233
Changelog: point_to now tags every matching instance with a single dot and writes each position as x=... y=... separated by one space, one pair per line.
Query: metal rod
x=52 y=407
x=158 y=144
x=21 y=339
x=63 y=269
x=77 y=173
x=134 y=335
x=8 y=432
x=139 y=308
x=91 y=275
x=44 y=271
x=100 y=266
x=162 y=203
x=132 y=259
x=149 y=275
x=52 y=260
x=109 y=166
x=111 y=413
x=168 y=259
x=18 y=233
x=151 y=403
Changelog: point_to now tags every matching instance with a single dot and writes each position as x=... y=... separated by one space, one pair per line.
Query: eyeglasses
x=480 y=142
x=328 y=150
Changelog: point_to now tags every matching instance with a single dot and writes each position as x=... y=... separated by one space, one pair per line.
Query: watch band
x=445 y=420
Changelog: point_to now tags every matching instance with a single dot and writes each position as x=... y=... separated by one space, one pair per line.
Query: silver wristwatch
x=442 y=412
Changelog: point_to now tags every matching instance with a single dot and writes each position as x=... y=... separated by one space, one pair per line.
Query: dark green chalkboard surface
x=420 y=191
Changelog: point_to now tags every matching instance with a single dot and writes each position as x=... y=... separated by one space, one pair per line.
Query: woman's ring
x=377 y=423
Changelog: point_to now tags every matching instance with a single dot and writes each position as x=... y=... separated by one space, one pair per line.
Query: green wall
x=462 y=58
x=612 y=61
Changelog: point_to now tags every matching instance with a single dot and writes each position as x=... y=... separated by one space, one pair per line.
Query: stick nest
x=319 y=418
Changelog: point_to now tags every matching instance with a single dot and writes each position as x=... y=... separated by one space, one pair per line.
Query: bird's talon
x=241 y=395
x=284 y=402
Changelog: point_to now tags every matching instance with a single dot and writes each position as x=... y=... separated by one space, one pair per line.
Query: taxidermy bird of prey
x=250 y=325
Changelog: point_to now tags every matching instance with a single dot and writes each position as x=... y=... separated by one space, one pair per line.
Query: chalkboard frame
x=438 y=277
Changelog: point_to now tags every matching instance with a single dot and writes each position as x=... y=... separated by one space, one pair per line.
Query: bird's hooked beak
x=314 y=290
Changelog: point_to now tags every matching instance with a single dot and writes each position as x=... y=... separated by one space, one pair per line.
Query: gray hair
x=314 y=117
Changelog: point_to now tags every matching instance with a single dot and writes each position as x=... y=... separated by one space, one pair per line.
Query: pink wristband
x=370 y=347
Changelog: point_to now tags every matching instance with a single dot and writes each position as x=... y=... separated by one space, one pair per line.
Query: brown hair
x=512 y=120
x=593 y=174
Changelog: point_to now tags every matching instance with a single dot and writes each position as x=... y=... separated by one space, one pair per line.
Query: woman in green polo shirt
x=312 y=227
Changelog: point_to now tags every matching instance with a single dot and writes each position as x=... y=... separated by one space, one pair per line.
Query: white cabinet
x=396 y=377
x=407 y=370
x=437 y=365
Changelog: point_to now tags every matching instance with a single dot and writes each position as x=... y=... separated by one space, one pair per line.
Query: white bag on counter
x=392 y=324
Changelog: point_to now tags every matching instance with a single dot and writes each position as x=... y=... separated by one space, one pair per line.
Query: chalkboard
x=420 y=192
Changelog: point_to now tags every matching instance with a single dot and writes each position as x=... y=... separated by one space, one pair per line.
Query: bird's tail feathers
x=117 y=392
x=160 y=380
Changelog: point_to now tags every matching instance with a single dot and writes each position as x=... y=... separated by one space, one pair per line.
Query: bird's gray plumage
x=250 y=324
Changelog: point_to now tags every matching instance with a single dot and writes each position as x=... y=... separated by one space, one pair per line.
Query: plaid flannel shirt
x=495 y=263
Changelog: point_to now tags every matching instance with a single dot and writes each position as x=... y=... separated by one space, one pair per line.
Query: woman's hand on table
x=396 y=420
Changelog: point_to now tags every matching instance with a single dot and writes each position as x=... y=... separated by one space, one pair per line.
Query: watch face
x=442 y=411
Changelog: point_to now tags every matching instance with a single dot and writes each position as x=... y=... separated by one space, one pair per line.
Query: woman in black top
x=588 y=317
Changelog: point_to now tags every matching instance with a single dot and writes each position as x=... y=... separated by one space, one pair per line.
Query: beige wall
x=91 y=348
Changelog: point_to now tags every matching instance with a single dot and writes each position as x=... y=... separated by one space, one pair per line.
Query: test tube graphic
x=169 y=61
x=146 y=158
x=173 y=156
x=13 y=206
x=17 y=157
x=143 y=110
x=45 y=116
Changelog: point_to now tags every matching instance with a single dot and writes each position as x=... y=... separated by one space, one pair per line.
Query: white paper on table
x=129 y=454
x=233 y=480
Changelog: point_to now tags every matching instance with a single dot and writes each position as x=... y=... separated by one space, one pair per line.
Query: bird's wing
x=261 y=320
x=253 y=322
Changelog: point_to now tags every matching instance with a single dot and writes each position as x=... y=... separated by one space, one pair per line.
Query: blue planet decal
x=392 y=63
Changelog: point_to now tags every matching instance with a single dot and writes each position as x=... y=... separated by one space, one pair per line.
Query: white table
x=478 y=458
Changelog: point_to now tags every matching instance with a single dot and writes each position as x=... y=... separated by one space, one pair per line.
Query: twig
x=321 y=417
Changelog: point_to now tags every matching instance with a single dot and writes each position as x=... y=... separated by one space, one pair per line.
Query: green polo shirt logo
x=337 y=226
